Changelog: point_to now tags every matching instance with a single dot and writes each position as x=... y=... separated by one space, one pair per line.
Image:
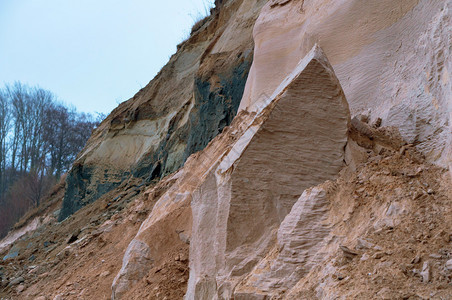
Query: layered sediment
x=288 y=150
x=297 y=140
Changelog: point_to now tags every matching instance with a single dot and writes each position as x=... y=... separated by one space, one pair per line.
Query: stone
x=16 y=281
x=449 y=265
x=183 y=257
x=348 y=253
x=47 y=243
x=104 y=274
x=425 y=273
x=377 y=123
x=416 y=260
x=20 y=288
x=137 y=255
x=73 y=237
x=184 y=238
x=363 y=244
x=11 y=254
x=378 y=255
x=3 y=281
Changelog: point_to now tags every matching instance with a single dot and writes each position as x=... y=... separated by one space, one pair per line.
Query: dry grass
x=199 y=19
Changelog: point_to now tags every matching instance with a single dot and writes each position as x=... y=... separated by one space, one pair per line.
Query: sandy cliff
x=391 y=57
x=189 y=102
x=290 y=149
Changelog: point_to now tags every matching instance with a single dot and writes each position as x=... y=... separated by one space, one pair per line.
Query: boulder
x=301 y=237
x=449 y=265
x=16 y=281
x=137 y=255
x=296 y=141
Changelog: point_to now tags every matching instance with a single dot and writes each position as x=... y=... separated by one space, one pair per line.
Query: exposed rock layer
x=391 y=57
x=152 y=134
x=297 y=140
x=300 y=239
x=253 y=206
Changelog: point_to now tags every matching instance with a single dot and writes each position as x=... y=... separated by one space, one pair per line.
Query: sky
x=92 y=54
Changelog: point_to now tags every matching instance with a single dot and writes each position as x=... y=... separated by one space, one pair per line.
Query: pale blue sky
x=91 y=53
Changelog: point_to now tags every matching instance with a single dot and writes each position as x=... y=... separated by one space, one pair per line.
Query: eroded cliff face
x=328 y=179
x=243 y=201
x=189 y=102
x=391 y=57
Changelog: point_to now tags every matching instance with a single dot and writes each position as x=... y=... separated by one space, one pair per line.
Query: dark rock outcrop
x=193 y=98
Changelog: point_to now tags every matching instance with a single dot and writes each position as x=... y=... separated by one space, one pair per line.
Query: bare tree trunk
x=4 y=129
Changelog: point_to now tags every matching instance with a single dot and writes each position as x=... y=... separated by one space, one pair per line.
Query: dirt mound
x=395 y=215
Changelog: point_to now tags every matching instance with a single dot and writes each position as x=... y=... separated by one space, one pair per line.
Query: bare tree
x=5 y=122
x=56 y=131
x=40 y=101
x=39 y=140
x=18 y=94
